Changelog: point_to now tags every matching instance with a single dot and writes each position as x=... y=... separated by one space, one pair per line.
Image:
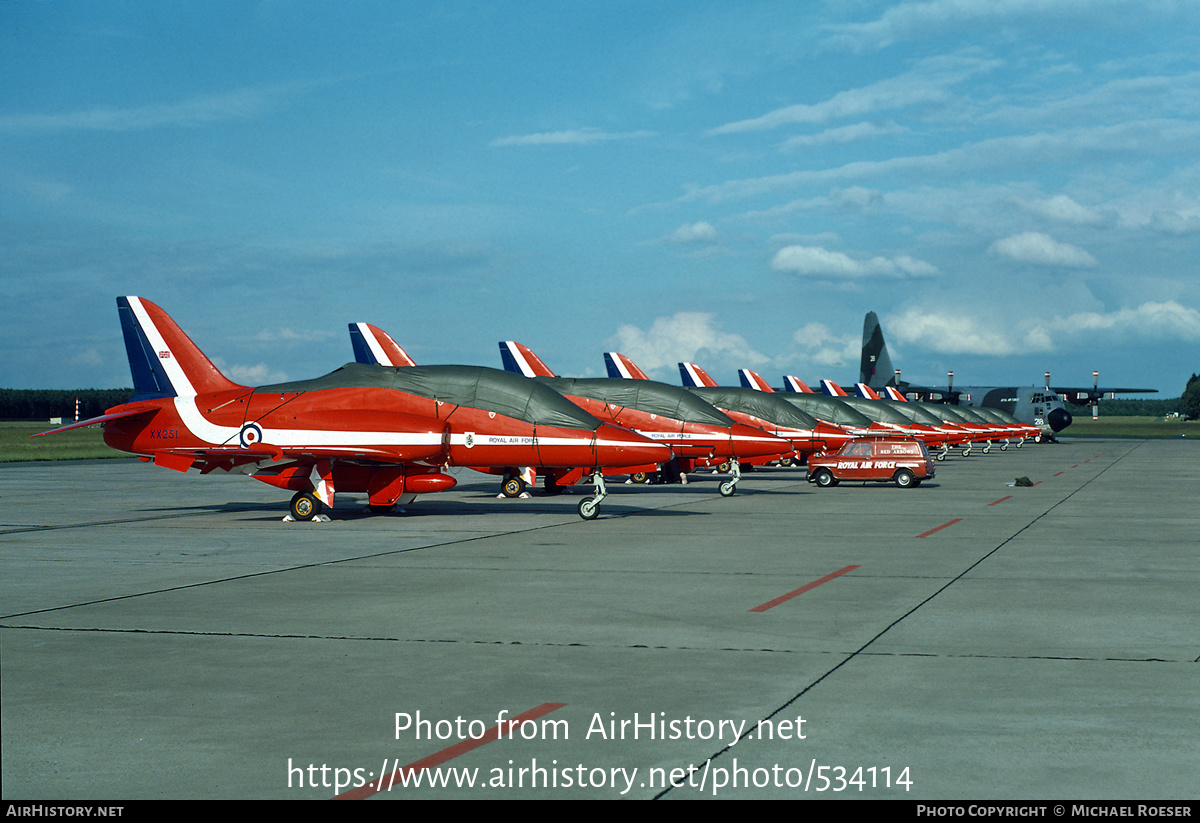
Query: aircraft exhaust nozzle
x=1059 y=419
x=750 y=441
x=621 y=447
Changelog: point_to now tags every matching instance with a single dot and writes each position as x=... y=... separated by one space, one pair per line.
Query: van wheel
x=905 y=478
x=824 y=478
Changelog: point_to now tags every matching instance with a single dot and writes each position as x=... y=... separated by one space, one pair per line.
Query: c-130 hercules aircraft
x=1041 y=407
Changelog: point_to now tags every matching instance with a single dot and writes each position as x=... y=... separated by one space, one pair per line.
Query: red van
x=904 y=461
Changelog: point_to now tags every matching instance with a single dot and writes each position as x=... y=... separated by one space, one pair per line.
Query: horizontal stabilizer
x=104 y=418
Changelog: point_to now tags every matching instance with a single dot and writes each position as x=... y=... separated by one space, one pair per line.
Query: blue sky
x=1012 y=185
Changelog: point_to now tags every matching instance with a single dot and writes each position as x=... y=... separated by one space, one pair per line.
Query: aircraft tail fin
x=876 y=367
x=163 y=360
x=620 y=366
x=753 y=380
x=894 y=394
x=795 y=384
x=693 y=375
x=832 y=389
x=372 y=345
x=519 y=359
x=865 y=391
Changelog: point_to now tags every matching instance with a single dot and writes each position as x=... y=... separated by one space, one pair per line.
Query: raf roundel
x=250 y=435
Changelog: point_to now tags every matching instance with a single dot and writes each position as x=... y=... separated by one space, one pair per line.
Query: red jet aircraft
x=806 y=434
x=388 y=432
x=698 y=433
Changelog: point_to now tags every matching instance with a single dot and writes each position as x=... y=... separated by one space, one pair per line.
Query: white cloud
x=684 y=336
x=928 y=83
x=957 y=333
x=257 y=375
x=1040 y=249
x=961 y=333
x=815 y=261
x=695 y=233
x=1062 y=209
x=916 y=20
x=826 y=349
x=571 y=137
x=235 y=105
x=1155 y=320
x=843 y=134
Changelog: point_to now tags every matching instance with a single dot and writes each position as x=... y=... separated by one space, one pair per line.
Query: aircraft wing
x=230 y=456
x=1082 y=395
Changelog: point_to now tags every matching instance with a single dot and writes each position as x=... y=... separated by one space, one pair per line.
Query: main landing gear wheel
x=305 y=506
x=905 y=479
x=640 y=477
x=512 y=487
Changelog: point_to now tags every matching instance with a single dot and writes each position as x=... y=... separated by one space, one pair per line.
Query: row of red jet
x=391 y=429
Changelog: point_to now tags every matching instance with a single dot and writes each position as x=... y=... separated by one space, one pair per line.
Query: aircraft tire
x=588 y=508
x=786 y=462
x=640 y=477
x=824 y=478
x=724 y=467
x=512 y=487
x=905 y=479
x=727 y=488
x=305 y=506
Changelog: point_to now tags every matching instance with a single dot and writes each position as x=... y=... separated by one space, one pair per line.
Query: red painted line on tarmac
x=506 y=727
x=1037 y=483
x=939 y=528
x=1056 y=474
x=994 y=502
x=770 y=604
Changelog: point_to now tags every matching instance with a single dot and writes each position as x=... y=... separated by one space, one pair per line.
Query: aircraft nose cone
x=749 y=441
x=1059 y=419
x=621 y=447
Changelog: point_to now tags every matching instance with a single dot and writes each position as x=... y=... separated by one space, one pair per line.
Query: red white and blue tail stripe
x=693 y=375
x=520 y=359
x=620 y=366
x=373 y=345
x=753 y=380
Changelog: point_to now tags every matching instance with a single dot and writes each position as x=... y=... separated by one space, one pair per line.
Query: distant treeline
x=42 y=404
x=1130 y=408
